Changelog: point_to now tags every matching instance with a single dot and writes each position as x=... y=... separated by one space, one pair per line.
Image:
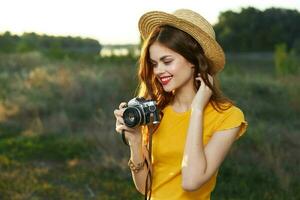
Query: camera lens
x=131 y=116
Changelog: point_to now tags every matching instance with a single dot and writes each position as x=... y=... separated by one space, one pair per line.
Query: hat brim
x=212 y=50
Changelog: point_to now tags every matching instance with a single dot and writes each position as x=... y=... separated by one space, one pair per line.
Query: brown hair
x=149 y=86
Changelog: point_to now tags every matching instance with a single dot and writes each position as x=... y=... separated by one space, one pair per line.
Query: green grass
x=262 y=165
x=45 y=147
x=73 y=179
x=58 y=167
x=57 y=138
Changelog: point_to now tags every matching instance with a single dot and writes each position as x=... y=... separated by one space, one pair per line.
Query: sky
x=112 y=21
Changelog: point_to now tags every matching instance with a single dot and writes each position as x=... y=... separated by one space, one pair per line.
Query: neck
x=183 y=98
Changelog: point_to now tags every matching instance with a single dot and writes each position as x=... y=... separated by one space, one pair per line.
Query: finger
x=199 y=79
x=122 y=105
x=120 y=120
x=211 y=79
x=121 y=127
x=118 y=113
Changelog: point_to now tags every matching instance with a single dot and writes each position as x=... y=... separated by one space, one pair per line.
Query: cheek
x=175 y=68
x=183 y=71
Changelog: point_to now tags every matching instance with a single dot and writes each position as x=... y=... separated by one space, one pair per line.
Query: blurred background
x=66 y=65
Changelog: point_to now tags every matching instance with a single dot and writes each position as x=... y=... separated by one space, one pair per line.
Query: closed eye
x=167 y=62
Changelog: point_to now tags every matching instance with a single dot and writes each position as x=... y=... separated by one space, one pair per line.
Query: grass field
x=57 y=138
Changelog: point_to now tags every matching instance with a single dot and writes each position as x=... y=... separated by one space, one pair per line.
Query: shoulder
x=232 y=111
x=229 y=110
x=231 y=118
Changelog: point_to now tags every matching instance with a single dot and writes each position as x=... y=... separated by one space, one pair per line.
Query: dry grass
x=57 y=136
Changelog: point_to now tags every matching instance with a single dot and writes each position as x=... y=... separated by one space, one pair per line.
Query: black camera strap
x=123 y=138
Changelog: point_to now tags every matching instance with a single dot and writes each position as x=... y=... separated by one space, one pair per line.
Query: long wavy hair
x=185 y=45
x=150 y=88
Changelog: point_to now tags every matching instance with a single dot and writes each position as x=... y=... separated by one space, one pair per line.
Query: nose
x=159 y=69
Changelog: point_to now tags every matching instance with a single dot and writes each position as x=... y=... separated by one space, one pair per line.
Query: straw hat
x=193 y=24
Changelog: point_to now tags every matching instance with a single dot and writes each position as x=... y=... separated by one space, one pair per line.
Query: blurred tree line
x=54 y=47
x=252 y=30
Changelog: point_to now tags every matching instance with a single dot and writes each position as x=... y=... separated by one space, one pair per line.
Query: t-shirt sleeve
x=232 y=118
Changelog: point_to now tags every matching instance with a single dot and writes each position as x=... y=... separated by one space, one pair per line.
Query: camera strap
x=123 y=138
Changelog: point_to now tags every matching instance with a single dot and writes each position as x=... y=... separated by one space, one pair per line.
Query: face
x=171 y=69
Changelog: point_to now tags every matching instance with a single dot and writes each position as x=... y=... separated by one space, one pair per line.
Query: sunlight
x=114 y=22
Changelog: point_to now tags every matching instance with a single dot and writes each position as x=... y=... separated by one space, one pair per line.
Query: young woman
x=179 y=158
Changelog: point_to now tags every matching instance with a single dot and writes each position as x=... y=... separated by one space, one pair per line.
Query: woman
x=180 y=157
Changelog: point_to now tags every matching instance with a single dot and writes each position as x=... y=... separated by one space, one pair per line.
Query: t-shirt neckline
x=170 y=107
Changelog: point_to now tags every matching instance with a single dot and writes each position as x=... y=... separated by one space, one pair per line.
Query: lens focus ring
x=132 y=116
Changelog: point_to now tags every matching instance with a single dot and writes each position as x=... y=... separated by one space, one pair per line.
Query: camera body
x=138 y=112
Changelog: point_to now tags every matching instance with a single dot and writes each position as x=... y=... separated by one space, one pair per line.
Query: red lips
x=165 y=79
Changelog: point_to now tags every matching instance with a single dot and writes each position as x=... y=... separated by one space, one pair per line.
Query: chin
x=168 y=89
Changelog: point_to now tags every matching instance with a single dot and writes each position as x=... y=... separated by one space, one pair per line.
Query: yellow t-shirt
x=168 y=143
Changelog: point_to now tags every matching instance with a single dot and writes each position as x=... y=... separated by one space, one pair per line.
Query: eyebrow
x=161 y=58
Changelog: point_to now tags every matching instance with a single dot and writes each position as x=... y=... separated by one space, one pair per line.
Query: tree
x=53 y=46
x=8 y=42
x=255 y=30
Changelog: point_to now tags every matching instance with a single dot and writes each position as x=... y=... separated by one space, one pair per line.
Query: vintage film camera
x=138 y=112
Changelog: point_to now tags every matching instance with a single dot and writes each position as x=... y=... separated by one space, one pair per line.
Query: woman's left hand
x=203 y=94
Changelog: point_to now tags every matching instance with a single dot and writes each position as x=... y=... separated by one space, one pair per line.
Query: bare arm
x=200 y=164
x=136 y=157
x=134 y=136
